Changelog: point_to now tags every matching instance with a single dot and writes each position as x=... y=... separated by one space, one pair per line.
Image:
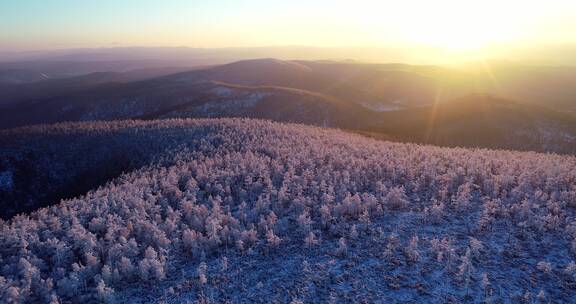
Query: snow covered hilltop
x=236 y=210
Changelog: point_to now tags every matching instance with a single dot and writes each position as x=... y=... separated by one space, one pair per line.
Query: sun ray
x=487 y=70
x=437 y=99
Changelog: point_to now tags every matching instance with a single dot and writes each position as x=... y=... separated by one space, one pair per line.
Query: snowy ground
x=378 y=269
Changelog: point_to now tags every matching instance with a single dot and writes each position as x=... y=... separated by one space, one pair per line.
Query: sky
x=455 y=25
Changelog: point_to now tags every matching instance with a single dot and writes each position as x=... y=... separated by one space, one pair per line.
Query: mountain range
x=495 y=105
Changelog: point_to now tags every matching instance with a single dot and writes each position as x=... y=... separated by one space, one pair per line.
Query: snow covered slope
x=257 y=212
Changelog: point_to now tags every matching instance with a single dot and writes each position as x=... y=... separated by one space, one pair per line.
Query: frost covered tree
x=466 y=269
x=209 y=187
x=272 y=239
x=342 y=249
x=151 y=267
x=412 y=252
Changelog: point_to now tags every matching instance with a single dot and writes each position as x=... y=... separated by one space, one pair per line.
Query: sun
x=460 y=25
x=456 y=33
x=455 y=37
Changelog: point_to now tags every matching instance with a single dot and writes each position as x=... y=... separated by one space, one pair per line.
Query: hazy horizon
x=444 y=31
x=550 y=55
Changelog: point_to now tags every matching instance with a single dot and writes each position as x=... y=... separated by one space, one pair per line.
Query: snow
x=395 y=222
x=6 y=181
x=383 y=106
x=233 y=102
x=222 y=91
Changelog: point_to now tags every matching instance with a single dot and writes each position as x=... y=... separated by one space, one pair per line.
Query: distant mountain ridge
x=424 y=104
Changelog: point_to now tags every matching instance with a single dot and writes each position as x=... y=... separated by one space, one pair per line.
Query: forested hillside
x=236 y=210
x=418 y=104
